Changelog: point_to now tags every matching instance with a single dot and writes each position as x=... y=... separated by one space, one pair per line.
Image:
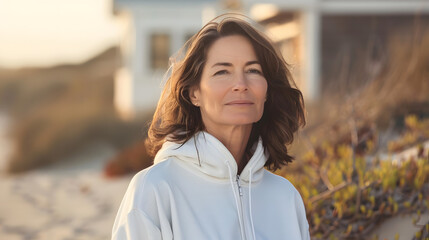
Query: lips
x=240 y=102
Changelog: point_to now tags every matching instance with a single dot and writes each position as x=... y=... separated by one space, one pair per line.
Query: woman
x=227 y=111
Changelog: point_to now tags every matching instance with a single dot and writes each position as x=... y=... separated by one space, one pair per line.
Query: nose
x=240 y=82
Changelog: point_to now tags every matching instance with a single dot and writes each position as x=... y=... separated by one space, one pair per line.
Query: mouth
x=240 y=103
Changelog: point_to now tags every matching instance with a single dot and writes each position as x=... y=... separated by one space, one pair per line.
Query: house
x=156 y=29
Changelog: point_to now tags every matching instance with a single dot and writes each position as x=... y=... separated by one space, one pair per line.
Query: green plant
x=347 y=195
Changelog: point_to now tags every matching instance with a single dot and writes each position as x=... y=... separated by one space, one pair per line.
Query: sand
x=70 y=200
x=73 y=202
x=401 y=225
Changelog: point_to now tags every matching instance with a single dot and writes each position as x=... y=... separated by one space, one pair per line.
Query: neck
x=235 y=139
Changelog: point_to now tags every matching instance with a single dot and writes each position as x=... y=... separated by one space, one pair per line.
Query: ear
x=194 y=95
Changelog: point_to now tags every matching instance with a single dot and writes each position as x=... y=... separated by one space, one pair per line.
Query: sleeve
x=135 y=225
x=137 y=217
x=302 y=218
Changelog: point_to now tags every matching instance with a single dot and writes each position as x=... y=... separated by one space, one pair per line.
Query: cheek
x=213 y=92
x=261 y=87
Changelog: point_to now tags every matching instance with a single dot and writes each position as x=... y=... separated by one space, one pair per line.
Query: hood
x=205 y=153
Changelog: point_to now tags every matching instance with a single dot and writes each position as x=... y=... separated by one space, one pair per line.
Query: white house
x=155 y=29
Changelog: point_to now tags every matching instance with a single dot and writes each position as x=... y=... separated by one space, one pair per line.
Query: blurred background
x=79 y=81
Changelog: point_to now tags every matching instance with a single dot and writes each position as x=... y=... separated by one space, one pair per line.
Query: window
x=160 y=51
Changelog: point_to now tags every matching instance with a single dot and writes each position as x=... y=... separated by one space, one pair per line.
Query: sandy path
x=401 y=225
x=67 y=201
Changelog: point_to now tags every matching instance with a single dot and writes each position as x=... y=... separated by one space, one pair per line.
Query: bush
x=347 y=195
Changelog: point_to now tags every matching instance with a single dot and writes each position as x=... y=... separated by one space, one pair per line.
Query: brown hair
x=177 y=118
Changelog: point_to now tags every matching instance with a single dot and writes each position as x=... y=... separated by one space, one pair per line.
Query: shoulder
x=149 y=182
x=279 y=181
x=139 y=209
x=282 y=186
x=153 y=175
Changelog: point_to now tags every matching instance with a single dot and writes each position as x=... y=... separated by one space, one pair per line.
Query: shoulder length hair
x=178 y=119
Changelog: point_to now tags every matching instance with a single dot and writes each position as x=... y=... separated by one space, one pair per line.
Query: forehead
x=230 y=49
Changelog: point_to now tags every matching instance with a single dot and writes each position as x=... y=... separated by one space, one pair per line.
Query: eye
x=254 y=70
x=221 y=72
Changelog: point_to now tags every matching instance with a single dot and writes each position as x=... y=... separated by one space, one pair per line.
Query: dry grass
x=399 y=89
x=347 y=127
x=58 y=110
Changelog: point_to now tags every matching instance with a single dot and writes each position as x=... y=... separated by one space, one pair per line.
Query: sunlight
x=48 y=32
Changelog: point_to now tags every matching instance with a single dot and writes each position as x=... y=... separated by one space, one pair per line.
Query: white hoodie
x=193 y=192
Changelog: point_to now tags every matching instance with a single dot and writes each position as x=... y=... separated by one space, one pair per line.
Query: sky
x=48 y=32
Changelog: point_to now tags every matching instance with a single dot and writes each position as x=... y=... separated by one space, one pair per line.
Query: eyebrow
x=227 y=64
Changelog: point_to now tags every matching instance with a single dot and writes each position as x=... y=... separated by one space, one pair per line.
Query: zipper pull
x=239 y=187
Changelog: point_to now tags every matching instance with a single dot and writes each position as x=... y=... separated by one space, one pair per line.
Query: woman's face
x=233 y=88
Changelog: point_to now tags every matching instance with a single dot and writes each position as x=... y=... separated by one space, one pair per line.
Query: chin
x=243 y=120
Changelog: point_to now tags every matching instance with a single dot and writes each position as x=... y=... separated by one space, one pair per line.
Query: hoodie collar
x=207 y=154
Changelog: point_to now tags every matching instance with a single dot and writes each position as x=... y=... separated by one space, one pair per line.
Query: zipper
x=239 y=187
x=240 y=211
